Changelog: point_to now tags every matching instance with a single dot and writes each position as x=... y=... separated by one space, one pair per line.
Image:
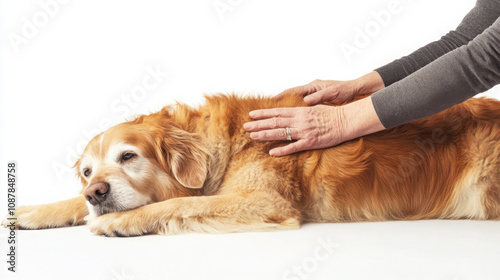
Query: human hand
x=313 y=127
x=319 y=91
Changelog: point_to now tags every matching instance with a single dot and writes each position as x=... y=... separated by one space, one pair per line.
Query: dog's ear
x=189 y=166
x=186 y=156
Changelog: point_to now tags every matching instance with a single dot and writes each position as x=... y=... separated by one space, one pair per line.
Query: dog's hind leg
x=477 y=195
x=489 y=175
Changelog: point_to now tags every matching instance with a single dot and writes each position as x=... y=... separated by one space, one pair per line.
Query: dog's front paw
x=58 y=214
x=120 y=224
x=21 y=218
x=37 y=217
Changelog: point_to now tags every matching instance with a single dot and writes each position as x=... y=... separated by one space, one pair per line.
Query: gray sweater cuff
x=391 y=73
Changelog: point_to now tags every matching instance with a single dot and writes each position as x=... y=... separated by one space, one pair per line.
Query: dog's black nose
x=96 y=193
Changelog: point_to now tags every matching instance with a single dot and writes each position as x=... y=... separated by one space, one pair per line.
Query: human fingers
x=300 y=90
x=270 y=113
x=278 y=134
x=327 y=94
x=264 y=124
x=291 y=148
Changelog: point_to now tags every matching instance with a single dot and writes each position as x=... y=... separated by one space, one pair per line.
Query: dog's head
x=143 y=161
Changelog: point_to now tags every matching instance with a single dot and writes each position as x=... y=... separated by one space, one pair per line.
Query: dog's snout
x=96 y=193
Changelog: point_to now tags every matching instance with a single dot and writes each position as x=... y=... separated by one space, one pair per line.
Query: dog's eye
x=127 y=156
x=86 y=172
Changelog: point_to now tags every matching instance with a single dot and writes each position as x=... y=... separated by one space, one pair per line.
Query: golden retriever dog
x=187 y=169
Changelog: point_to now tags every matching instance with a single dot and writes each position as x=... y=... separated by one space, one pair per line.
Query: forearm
x=450 y=80
x=484 y=13
x=368 y=83
x=360 y=119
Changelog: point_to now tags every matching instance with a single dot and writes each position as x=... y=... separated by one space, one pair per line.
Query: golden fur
x=204 y=173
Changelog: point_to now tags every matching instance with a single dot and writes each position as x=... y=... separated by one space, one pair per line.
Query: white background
x=71 y=75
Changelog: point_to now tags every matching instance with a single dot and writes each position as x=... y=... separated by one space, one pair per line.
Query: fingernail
x=309 y=99
x=246 y=126
x=252 y=114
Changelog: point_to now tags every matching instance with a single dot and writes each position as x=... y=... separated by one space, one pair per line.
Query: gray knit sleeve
x=484 y=13
x=449 y=80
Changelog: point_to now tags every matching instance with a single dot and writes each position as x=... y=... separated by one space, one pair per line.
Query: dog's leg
x=234 y=212
x=59 y=214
